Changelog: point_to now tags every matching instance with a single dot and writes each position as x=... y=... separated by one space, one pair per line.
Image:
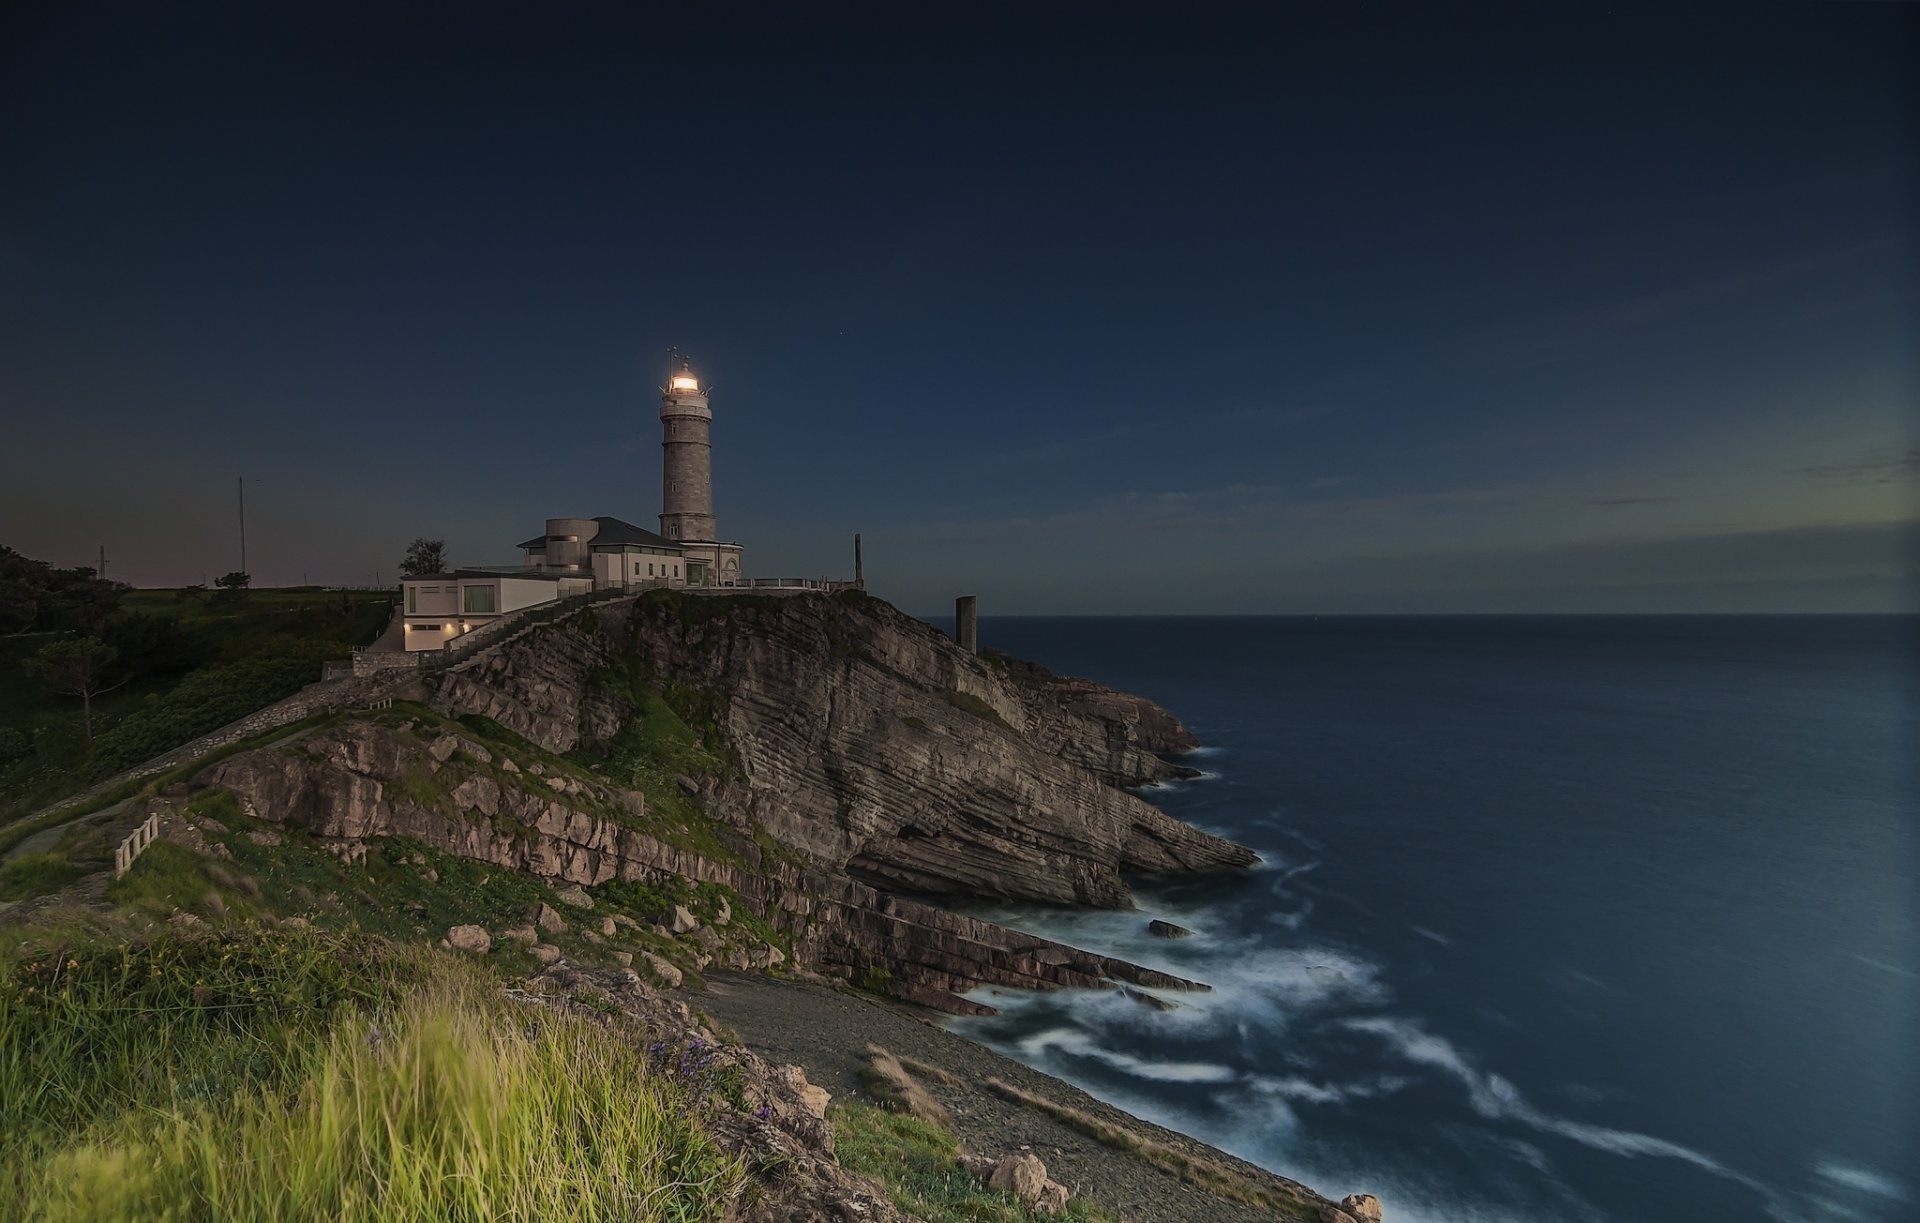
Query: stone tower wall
x=686 y=473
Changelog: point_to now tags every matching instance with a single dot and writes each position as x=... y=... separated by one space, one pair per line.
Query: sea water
x=1572 y=918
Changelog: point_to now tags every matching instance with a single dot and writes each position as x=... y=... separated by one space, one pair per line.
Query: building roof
x=613 y=533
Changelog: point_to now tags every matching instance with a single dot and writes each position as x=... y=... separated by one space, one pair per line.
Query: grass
x=966 y=702
x=276 y=1074
x=212 y=662
x=893 y=1088
x=1287 y=1200
x=139 y=787
x=918 y=1163
x=26 y=876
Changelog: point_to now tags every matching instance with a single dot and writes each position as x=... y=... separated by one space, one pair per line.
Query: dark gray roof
x=613 y=533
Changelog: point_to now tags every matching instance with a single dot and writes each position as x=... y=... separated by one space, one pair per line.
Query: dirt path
x=827 y=1032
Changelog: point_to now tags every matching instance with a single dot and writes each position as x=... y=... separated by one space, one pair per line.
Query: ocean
x=1559 y=918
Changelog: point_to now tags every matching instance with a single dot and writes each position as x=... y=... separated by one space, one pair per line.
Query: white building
x=577 y=555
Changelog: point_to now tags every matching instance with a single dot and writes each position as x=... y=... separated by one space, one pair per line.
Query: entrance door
x=697 y=574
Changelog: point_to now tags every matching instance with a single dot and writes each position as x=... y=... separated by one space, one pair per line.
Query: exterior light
x=685 y=382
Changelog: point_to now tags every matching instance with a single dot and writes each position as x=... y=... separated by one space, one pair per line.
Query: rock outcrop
x=873 y=745
x=866 y=756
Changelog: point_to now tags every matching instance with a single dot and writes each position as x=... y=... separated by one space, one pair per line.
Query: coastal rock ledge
x=861 y=766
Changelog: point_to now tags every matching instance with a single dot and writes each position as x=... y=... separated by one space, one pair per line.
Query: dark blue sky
x=1348 y=308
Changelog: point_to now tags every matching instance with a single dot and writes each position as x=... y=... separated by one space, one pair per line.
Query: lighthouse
x=686 y=478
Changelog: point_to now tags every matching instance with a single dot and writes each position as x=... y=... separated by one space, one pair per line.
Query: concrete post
x=859 y=579
x=966 y=623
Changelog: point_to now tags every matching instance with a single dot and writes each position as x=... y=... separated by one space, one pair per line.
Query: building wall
x=516 y=593
x=686 y=466
x=567 y=542
x=436 y=598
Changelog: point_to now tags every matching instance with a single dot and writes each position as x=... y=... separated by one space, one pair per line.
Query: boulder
x=1021 y=1174
x=545 y=917
x=723 y=912
x=1362 y=1206
x=546 y=953
x=470 y=938
x=507 y=765
x=607 y=927
x=621 y=919
x=264 y=837
x=623 y=958
x=521 y=934
x=574 y=895
x=813 y=1098
x=681 y=920
x=295 y=923
x=667 y=973
x=766 y=955
x=1166 y=929
x=706 y=937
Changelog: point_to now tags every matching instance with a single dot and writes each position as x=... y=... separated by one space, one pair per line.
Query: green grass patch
x=275 y=1074
x=917 y=1162
x=26 y=876
x=966 y=702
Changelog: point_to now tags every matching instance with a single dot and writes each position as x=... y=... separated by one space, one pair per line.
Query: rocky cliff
x=816 y=755
x=870 y=743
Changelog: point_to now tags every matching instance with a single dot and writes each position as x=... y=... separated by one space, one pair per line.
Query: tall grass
x=918 y=1162
x=293 y=1077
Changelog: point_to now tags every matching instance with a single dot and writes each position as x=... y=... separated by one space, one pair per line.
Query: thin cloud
x=1631 y=500
x=1883 y=468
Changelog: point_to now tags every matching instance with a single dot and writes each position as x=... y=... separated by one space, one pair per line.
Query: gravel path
x=826 y=1032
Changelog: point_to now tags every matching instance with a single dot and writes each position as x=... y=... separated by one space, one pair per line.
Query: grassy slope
x=283 y=1074
x=244 y=1069
x=227 y=660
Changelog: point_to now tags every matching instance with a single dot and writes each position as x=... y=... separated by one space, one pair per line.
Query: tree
x=424 y=556
x=74 y=668
x=234 y=585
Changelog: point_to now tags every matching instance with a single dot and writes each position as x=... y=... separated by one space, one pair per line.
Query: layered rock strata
x=874 y=746
x=877 y=757
x=361 y=781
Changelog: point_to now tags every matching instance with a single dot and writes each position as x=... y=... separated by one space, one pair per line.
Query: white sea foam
x=1296 y=1087
x=1077 y=1043
x=1435 y=935
x=1883 y=966
x=1861 y=1179
x=1494 y=1097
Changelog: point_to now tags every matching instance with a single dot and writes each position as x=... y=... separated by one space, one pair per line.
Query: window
x=425 y=627
x=676 y=571
x=649 y=570
x=412 y=598
x=479 y=599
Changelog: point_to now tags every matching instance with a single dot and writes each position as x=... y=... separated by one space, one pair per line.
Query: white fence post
x=138 y=840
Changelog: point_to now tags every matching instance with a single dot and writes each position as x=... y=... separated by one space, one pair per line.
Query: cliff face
x=851 y=750
x=873 y=745
x=359 y=781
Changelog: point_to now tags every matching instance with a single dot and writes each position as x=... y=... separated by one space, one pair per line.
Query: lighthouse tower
x=686 y=478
